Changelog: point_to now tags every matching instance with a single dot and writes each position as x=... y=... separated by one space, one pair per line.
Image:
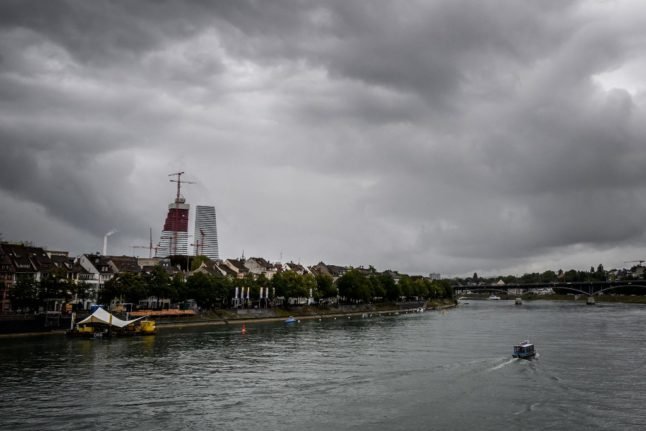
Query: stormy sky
x=450 y=136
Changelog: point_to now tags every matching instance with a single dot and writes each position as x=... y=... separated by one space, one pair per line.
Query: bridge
x=589 y=288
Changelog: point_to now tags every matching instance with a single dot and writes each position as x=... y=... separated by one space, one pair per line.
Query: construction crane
x=139 y=246
x=200 y=243
x=149 y=247
x=633 y=261
x=175 y=219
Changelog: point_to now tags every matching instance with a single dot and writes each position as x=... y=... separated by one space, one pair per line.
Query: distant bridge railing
x=579 y=287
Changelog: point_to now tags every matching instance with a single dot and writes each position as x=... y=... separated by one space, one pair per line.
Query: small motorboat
x=493 y=297
x=524 y=350
x=290 y=320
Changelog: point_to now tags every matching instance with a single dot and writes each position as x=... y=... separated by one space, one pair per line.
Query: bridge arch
x=640 y=285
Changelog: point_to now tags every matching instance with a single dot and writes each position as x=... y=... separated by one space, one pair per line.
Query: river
x=438 y=370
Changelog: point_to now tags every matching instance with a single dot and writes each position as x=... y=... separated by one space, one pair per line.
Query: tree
x=442 y=289
x=325 y=286
x=24 y=295
x=125 y=287
x=206 y=290
x=293 y=285
x=55 y=286
x=376 y=287
x=405 y=286
x=159 y=283
x=81 y=291
x=354 y=286
x=392 y=292
x=179 y=288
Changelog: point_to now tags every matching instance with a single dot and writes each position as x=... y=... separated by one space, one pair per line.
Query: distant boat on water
x=493 y=297
x=290 y=320
x=524 y=350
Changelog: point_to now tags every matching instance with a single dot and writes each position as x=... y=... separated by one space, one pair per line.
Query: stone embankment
x=305 y=313
x=247 y=316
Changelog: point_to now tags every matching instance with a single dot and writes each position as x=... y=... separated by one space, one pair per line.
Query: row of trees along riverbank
x=211 y=292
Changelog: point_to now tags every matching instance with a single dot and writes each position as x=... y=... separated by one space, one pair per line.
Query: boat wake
x=499 y=366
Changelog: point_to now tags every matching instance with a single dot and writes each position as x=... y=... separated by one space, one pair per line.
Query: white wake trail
x=499 y=366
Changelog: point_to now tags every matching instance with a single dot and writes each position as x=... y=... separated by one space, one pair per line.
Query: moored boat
x=290 y=320
x=524 y=350
x=101 y=324
x=493 y=297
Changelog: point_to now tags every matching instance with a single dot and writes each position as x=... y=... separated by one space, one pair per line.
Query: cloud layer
x=444 y=136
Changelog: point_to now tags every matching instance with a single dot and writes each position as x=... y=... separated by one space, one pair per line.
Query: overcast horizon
x=452 y=137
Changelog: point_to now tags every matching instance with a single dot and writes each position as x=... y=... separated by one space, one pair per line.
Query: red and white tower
x=174 y=236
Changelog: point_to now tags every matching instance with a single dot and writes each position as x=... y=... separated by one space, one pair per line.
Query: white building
x=206 y=232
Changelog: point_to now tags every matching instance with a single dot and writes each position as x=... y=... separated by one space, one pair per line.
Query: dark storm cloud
x=445 y=135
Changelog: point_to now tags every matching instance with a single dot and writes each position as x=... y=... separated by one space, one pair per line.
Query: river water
x=449 y=370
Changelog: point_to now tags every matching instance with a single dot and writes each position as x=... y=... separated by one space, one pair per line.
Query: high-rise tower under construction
x=174 y=237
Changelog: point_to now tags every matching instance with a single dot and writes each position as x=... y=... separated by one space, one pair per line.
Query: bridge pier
x=590 y=300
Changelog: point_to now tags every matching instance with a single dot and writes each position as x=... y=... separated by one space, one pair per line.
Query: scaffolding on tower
x=179 y=220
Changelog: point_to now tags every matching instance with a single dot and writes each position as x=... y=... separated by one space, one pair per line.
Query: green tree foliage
x=159 y=283
x=325 y=286
x=392 y=291
x=405 y=286
x=376 y=287
x=125 y=287
x=354 y=286
x=293 y=285
x=24 y=295
x=81 y=291
x=209 y=292
x=199 y=286
x=442 y=289
x=55 y=285
x=179 y=288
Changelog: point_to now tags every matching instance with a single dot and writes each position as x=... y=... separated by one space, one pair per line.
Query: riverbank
x=240 y=317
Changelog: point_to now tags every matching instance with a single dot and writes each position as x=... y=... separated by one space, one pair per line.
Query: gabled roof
x=333 y=270
x=238 y=264
x=261 y=262
x=27 y=258
x=125 y=263
x=99 y=262
x=227 y=270
x=295 y=267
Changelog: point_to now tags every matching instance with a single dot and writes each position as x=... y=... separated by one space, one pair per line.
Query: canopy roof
x=102 y=316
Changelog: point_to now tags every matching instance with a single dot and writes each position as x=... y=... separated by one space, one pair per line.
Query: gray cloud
x=450 y=136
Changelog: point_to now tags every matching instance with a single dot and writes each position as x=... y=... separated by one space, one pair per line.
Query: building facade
x=206 y=232
x=174 y=236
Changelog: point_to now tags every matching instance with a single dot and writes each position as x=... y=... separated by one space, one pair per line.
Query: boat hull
x=290 y=321
x=524 y=356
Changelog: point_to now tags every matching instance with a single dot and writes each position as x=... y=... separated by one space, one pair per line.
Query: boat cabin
x=524 y=350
